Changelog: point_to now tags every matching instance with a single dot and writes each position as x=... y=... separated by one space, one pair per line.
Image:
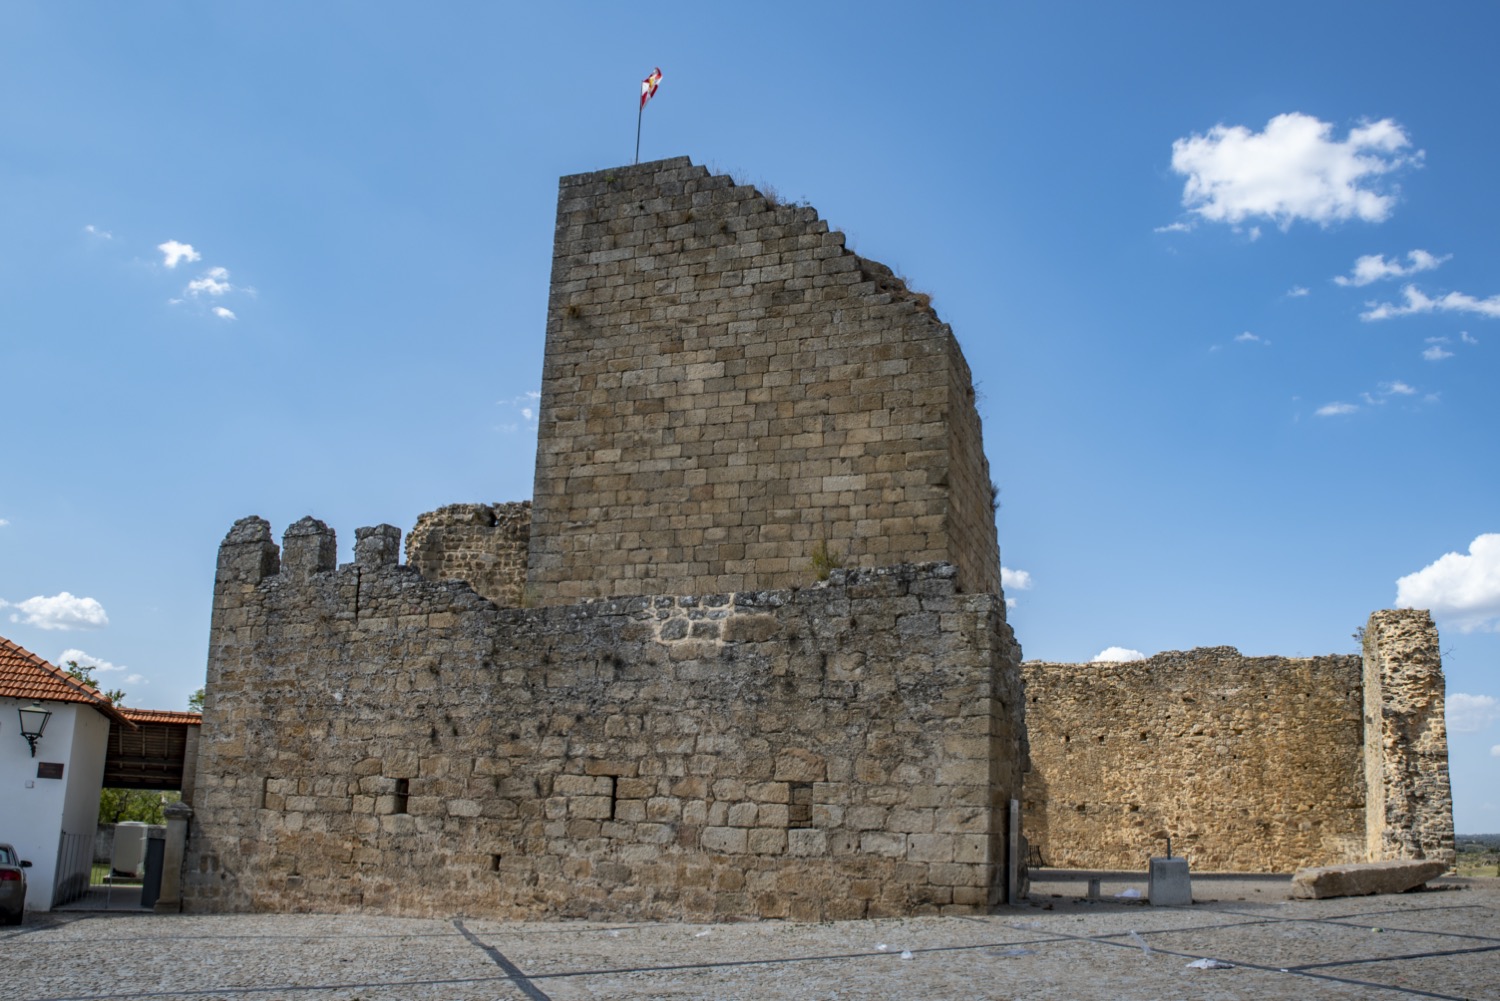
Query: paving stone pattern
x=1441 y=944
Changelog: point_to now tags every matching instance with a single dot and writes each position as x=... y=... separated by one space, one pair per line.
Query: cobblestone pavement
x=1442 y=943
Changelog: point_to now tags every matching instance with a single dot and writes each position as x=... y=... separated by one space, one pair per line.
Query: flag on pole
x=649 y=85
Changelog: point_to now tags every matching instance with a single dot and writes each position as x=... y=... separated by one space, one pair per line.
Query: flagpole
x=638 y=113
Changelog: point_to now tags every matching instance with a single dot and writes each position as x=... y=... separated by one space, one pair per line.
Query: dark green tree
x=85 y=674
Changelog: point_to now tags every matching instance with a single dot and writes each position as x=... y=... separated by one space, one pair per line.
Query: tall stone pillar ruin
x=1408 y=800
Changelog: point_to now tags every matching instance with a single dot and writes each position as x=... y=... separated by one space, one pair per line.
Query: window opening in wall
x=799 y=808
x=265 y=787
x=614 y=795
x=495 y=862
x=403 y=789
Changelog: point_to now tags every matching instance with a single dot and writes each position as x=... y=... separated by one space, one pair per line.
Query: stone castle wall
x=374 y=740
x=1253 y=764
x=730 y=395
x=689 y=724
x=484 y=544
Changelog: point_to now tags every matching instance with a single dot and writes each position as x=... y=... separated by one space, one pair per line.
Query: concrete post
x=169 y=900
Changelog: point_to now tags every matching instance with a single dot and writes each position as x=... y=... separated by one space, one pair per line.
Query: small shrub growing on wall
x=824 y=562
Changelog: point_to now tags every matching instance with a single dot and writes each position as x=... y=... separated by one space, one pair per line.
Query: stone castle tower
x=743 y=654
x=730 y=393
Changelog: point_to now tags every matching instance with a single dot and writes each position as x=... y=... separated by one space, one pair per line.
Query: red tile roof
x=24 y=675
x=160 y=716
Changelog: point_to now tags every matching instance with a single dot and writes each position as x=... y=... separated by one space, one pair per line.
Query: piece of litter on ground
x=906 y=954
x=706 y=931
x=1130 y=894
x=1209 y=964
x=1140 y=942
x=881 y=947
x=615 y=933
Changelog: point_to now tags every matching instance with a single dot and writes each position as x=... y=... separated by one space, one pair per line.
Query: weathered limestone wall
x=729 y=392
x=1262 y=764
x=1410 y=804
x=379 y=741
x=1250 y=763
x=484 y=544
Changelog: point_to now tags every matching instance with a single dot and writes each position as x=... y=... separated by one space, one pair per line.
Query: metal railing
x=75 y=860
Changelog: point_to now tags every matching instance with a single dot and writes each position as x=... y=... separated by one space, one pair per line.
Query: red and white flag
x=649 y=85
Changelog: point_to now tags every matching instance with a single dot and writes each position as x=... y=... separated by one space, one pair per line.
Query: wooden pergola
x=159 y=752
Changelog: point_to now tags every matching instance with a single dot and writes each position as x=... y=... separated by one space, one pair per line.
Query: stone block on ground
x=1364 y=878
x=1170 y=884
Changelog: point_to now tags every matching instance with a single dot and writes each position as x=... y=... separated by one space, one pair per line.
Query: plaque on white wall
x=49 y=769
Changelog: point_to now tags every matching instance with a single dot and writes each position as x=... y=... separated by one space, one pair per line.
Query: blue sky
x=1227 y=281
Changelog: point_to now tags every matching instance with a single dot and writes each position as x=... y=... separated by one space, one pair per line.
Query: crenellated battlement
x=249 y=553
x=746 y=654
x=381 y=741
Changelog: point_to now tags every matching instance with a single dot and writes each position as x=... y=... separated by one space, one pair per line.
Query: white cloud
x=87 y=660
x=1436 y=353
x=175 y=253
x=1297 y=292
x=4 y=522
x=224 y=314
x=1417 y=302
x=1115 y=654
x=1471 y=713
x=525 y=405
x=1467 y=338
x=1248 y=338
x=1462 y=589
x=215 y=281
x=1175 y=227
x=1335 y=409
x=1015 y=580
x=1495 y=751
x=1293 y=170
x=102 y=234
x=1374 y=267
x=61 y=611
x=1387 y=391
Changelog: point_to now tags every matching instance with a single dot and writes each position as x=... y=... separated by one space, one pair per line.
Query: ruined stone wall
x=484 y=544
x=1410 y=805
x=1250 y=763
x=1259 y=764
x=729 y=394
x=373 y=740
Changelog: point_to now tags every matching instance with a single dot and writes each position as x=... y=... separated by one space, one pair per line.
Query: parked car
x=12 y=885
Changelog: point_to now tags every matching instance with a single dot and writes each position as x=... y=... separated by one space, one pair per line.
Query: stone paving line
x=1442 y=943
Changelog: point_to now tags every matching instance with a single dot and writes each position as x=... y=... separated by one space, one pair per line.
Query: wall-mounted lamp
x=33 y=721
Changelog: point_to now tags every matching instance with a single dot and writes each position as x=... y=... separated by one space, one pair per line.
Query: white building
x=49 y=798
